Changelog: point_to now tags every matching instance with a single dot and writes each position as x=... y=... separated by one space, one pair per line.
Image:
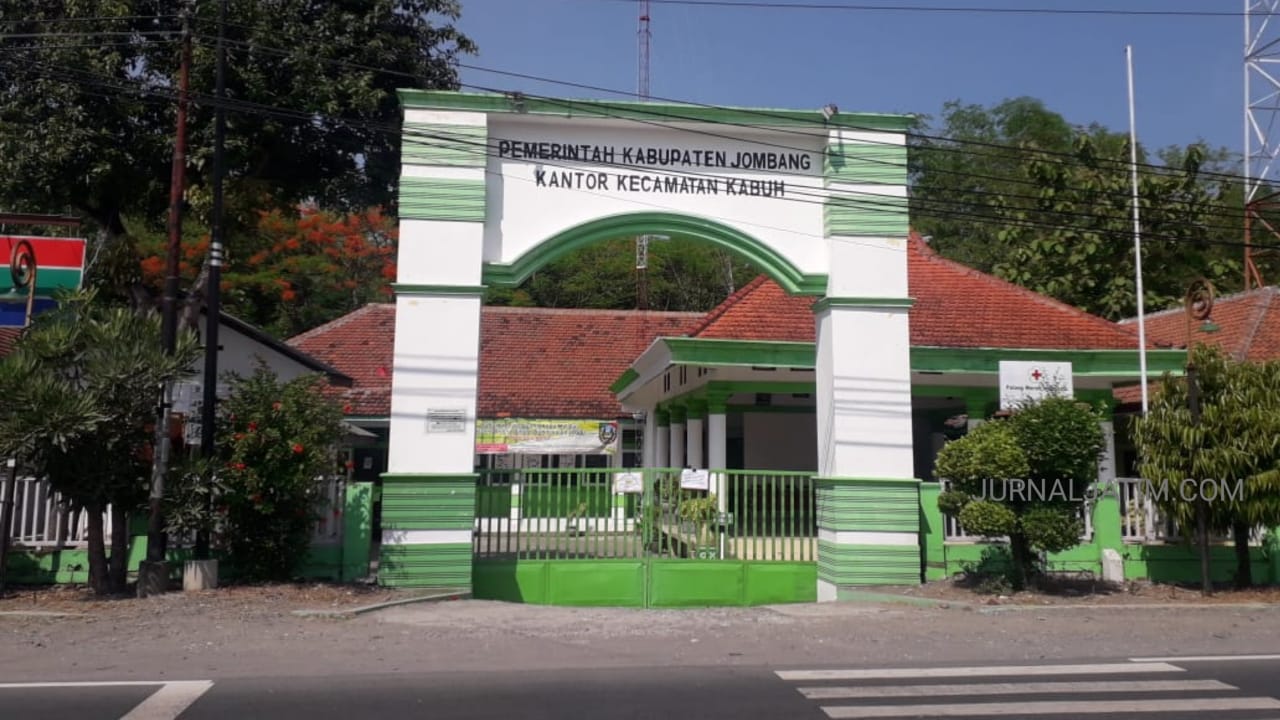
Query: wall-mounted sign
x=447 y=421
x=546 y=437
x=1022 y=382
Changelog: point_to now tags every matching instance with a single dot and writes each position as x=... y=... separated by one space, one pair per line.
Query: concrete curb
x=997 y=609
x=859 y=596
x=38 y=613
x=364 y=609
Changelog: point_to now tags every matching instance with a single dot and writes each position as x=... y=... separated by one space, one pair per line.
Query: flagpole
x=1137 y=233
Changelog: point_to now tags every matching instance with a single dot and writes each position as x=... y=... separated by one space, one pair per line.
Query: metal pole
x=1137 y=234
x=1202 y=510
x=169 y=329
x=6 y=517
x=213 y=299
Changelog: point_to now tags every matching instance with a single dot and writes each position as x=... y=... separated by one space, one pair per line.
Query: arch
x=764 y=257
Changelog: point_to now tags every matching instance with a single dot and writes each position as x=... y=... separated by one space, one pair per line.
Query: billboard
x=503 y=436
x=59 y=266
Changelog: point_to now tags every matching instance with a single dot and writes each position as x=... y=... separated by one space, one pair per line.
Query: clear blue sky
x=1188 y=70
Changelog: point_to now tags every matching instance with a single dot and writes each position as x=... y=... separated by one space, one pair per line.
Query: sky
x=1188 y=70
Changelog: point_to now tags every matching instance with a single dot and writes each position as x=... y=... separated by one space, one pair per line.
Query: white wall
x=238 y=353
x=779 y=441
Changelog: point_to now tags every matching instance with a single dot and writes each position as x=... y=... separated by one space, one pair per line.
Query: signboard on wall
x=539 y=437
x=59 y=266
x=1022 y=382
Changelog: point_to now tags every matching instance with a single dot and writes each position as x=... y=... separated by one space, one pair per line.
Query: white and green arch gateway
x=493 y=187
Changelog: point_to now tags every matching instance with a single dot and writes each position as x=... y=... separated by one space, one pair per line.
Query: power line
x=809 y=194
x=970 y=10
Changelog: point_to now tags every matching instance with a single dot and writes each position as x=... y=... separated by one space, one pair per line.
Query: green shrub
x=276 y=440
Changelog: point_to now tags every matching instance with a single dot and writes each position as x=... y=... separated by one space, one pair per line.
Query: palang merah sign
x=1023 y=382
x=546 y=437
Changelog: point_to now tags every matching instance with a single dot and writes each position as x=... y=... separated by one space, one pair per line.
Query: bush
x=276 y=440
x=1051 y=446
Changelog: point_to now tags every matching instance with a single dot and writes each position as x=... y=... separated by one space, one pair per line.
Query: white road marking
x=168 y=702
x=1056 y=707
x=102 y=683
x=1112 y=686
x=1206 y=658
x=995 y=670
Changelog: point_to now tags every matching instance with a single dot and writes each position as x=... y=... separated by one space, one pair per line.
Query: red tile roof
x=535 y=362
x=1248 y=325
x=523 y=350
x=955 y=306
x=8 y=337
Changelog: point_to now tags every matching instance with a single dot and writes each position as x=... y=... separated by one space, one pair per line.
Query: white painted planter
x=199 y=575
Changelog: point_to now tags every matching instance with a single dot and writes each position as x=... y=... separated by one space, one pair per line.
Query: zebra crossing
x=1130 y=689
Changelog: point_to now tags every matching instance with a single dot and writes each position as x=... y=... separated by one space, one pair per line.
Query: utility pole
x=153 y=576
x=1202 y=510
x=213 y=291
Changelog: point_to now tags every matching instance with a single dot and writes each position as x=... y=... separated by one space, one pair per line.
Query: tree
x=1237 y=439
x=295 y=270
x=682 y=275
x=88 y=108
x=1016 y=190
x=277 y=439
x=80 y=393
x=1025 y=478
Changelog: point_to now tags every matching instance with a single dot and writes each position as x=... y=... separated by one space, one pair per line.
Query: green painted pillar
x=932 y=540
x=427 y=525
x=357 y=531
x=868 y=533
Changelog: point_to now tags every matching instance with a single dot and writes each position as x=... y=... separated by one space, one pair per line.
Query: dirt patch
x=1085 y=591
x=239 y=601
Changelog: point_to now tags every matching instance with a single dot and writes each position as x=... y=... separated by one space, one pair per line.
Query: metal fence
x=42 y=519
x=615 y=513
x=952 y=532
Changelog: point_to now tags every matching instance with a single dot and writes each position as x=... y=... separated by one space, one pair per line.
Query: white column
x=717 y=431
x=676 y=459
x=693 y=441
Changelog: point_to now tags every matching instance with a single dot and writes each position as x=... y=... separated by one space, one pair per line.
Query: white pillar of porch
x=717 y=439
x=662 y=439
x=693 y=433
x=677 y=437
x=648 y=438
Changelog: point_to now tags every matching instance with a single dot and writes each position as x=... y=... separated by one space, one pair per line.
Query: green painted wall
x=425 y=566
x=641 y=583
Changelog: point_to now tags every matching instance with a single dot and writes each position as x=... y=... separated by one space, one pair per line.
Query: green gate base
x=645 y=583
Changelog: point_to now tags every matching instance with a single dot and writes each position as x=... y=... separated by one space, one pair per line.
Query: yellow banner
x=547 y=437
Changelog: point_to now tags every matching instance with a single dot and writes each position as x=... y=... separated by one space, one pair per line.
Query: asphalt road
x=1171 y=689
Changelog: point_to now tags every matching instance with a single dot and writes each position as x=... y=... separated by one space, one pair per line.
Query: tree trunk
x=119 y=548
x=1020 y=554
x=99 y=579
x=1244 y=568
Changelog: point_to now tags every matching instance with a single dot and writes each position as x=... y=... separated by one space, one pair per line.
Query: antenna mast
x=1261 y=113
x=642 y=93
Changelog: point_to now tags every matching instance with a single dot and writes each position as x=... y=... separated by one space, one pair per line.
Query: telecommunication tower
x=642 y=93
x=1261 y=114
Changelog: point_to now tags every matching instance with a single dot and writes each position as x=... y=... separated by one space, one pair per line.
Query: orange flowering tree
x=293 y=270
x=277 y=441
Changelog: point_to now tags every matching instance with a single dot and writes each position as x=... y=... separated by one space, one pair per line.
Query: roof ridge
x=520 y=310
x=734 y=298
x=1028 y=293
x=1261 y=311
x=337 y=322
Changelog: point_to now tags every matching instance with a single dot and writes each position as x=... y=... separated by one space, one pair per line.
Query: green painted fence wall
x=645 y=583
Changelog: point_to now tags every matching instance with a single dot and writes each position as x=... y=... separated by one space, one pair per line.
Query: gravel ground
x=236 y=603
x=247 y=632
x=1085 y=591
